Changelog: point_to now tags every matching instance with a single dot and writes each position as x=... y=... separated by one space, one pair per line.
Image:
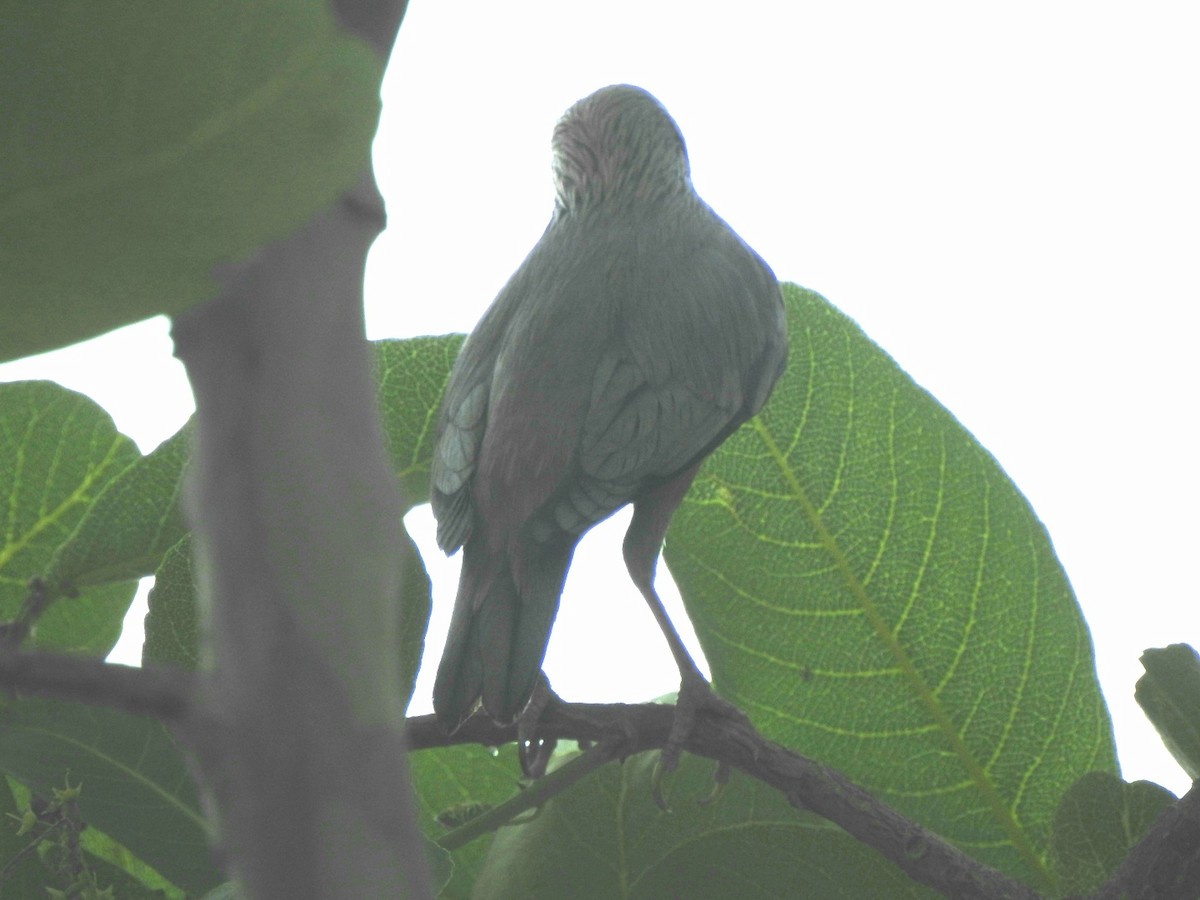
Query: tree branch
x=1165 y=865
x=160 y=691
x=925 y=857
x=297 y=523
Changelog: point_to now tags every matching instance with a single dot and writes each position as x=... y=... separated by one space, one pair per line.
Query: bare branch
x=159 y=691
x=924 y=856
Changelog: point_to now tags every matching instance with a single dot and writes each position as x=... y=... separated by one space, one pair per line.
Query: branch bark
x=924 y=856
x=1165 y=864
x=300 y=726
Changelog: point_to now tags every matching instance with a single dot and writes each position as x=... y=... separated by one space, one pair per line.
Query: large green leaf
x=21 y=871
x=24 y=874
x=874 y=592
x=1098 y=821
x=412 y=376
x=173 y=621
x=449 y=778
x=607 y=838
x=134 y=782
x=144 y=142
x=58 y=452
x=131 y=524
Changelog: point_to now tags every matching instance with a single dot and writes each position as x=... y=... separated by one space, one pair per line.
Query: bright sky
x=1004 y=197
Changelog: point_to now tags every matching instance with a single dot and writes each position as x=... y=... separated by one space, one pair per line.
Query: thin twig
x=534 y=795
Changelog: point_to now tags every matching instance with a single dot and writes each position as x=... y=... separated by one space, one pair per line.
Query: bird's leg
x=533 y=752
x=651 y=515
x=695 y=693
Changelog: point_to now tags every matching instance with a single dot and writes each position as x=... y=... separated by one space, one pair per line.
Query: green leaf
x=131 y=524
x=21 y=871
x=1098 y=821
x=58 y=451
x=144 y=142
x=227 y=891
x=873 y=591
x=173 y=621
x=607 y=838
x=412 y=376
x=416 y=602
x=130 y=876
x=135 y=783
x=449 y=777
x=1169 y=694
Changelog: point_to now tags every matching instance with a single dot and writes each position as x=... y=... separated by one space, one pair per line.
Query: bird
x=637 y=335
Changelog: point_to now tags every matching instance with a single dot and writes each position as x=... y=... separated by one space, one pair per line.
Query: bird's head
x=617 y=145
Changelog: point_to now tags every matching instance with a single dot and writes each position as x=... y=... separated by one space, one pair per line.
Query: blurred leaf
x=607 y=838
x=58 y=452
x=1098 y=821
x=227 y=891
x=412 y=376
x=21 y=871
x=416 y=602
x=144 y=142
x=172 y=621
x=131 y=524
x=113 y=866
x=130 y=877
x=451 y=776
x=1169 y=694
x=135 y=783
x=872 y=590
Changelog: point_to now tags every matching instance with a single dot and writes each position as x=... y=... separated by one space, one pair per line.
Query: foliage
x=143 y=143
x=867 y=584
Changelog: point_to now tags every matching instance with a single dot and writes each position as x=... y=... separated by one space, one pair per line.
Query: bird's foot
x=534 y=752
x=696 y=698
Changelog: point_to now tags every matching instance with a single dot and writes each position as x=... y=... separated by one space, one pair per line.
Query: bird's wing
x=482 y=422
x=697 y=357
x=463 y=419
x=455 y=456
x=641 y=427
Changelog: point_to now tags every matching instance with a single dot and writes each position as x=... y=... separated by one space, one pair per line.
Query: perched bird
x=638 y=334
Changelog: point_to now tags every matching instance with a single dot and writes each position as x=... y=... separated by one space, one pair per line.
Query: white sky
x=1005 y=197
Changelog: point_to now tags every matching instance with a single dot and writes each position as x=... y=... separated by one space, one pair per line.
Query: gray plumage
x=635 y=337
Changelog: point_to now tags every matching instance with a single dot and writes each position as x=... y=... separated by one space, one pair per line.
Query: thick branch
x=924 y=857
x=296 y=516
x=158 y=691
x=1165 y=865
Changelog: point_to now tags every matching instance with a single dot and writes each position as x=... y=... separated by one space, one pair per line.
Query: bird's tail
x=497 y=638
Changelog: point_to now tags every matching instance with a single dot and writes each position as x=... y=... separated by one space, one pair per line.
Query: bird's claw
x=695 y=696
x=534 y=752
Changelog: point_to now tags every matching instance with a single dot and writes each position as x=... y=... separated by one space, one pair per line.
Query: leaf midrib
x=879 y=625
